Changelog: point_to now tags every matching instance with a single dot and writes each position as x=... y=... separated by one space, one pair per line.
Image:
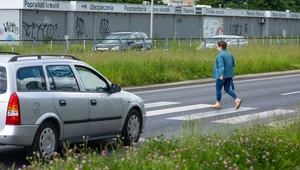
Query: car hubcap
x=133 y=128
x=47 y=142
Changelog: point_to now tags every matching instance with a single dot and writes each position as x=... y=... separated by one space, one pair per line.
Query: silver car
x=231 y=40
x=46 y=100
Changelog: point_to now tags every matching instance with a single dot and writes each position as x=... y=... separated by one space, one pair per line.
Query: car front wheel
x=132 y=128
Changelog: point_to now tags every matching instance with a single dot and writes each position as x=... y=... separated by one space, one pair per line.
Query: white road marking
x=176 y=109
x=211 y=113
x=157 y=104
x=250 y=117
x=295 y=92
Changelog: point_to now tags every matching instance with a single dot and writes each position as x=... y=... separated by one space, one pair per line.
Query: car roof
x=37 y=58
x=226 y=36
x=122 y=32
x=126 y=32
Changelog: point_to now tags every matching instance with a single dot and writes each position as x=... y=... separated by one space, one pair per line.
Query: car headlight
x=115 y=48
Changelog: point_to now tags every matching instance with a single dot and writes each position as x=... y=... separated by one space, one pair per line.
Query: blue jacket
x=224 y=65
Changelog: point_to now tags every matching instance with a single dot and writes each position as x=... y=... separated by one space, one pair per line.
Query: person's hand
x=221 y=77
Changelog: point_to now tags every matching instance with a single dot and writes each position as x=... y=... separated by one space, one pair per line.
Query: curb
x=207 y=81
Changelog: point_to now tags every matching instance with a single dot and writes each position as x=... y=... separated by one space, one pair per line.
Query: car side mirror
x=115 y=88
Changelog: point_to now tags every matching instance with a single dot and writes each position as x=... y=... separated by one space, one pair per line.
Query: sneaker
x=238 y=103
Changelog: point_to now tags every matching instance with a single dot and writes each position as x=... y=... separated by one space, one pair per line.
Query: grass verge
x=135 y=68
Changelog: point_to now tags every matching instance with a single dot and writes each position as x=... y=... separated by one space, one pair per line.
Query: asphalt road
x=266 y=98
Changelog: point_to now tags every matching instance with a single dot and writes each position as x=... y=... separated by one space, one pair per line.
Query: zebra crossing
x=170 y=110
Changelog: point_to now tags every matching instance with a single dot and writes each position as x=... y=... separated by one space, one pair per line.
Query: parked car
x=231 y=40
x=47 y=99
x=125 y=41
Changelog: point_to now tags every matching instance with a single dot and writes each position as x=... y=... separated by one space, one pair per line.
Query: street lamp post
x=151 y=21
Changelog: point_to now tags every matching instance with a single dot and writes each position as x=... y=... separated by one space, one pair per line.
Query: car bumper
x=20 y=135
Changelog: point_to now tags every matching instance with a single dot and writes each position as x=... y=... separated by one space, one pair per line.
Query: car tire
x=132 y=128
x=45 y=141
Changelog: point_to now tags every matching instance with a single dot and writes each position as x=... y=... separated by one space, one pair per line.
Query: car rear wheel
x=132 y=128
x=45 y=141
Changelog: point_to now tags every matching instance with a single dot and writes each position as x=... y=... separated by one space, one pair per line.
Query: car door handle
x=93 y=102
x=62 y=103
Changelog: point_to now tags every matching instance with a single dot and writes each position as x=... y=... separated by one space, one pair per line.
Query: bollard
x=65 y=47
x=166 y=44
x=144 y=43
x=67 y=42
x=280 y=41
x=51 y=45
x=154 y=44
x=32 y=45
x=84 y=45
x=93 y=46
x=186 y=44
x=12 y=46
x=270 y=40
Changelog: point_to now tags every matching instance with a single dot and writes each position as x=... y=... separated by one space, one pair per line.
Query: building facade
x=54 y=20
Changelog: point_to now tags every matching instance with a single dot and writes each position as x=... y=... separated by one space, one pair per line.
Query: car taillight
x=13 y=116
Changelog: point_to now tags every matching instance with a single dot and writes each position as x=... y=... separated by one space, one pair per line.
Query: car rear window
x=3 y=80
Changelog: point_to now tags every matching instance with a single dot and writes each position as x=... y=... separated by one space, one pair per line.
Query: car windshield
x=213 y=40
x=114 y=38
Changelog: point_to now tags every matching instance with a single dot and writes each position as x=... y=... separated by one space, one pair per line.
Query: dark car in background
x=125 y=41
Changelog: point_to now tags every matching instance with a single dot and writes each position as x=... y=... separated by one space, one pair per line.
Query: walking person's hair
x=222 y=44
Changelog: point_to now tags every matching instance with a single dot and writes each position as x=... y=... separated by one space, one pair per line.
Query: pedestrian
x=223 y=73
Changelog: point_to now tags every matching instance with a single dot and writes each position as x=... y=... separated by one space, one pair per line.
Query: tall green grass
x=132 y=68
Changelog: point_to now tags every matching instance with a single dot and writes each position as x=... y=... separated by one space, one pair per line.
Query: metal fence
x=75 y=45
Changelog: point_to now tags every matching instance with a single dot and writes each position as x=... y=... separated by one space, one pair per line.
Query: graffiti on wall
x=104 y=28
x=9 y=30
x=80 y=27
x=40 y=31
x=238 y=29
x=9 y=38
x=11 y=27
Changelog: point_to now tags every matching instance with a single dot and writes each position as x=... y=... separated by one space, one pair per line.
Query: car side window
x=3 y=80
x=61 y=78
x=132 y=37
x=91 y=80
x=31 y=78
x=139 y=37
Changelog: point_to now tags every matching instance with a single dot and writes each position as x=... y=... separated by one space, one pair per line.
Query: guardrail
x=88 y=45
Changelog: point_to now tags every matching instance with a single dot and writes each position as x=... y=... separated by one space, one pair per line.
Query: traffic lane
x=263 y=91
x=262 y=94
